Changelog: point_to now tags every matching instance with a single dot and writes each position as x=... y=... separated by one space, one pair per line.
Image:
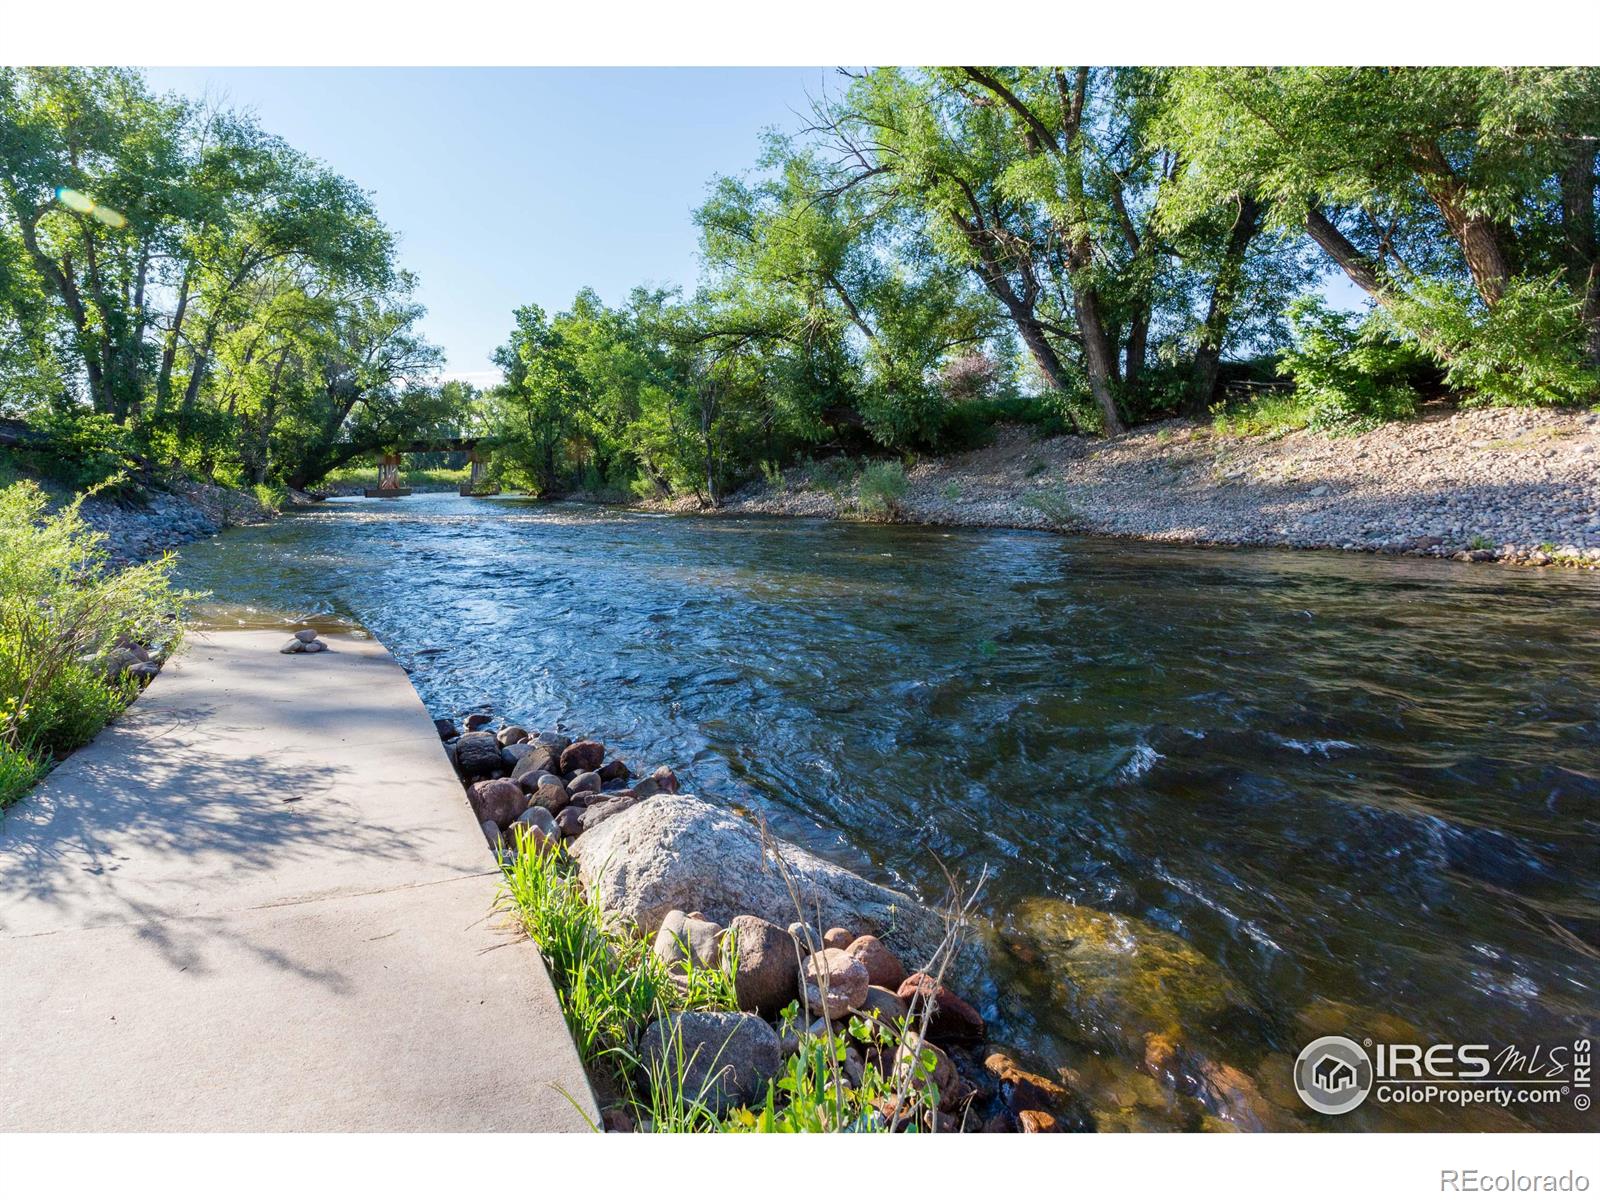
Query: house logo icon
x=1333 y=1075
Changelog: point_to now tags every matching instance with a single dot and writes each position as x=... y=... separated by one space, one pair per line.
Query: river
x=1359 y=785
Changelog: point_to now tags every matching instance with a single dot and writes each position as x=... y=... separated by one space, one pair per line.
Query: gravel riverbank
x=1510 y=485
x=180 y=511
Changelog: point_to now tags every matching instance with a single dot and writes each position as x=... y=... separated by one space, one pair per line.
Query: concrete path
x=258 y=901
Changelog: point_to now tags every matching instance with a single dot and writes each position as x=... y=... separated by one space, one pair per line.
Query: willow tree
x=1462 y=201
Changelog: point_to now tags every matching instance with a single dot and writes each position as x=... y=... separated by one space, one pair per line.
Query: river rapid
x=1364 y=790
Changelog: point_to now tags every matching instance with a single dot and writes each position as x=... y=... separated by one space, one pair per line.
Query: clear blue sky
x=516 y=185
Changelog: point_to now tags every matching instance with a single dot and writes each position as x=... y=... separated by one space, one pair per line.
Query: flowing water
x=1367 y=789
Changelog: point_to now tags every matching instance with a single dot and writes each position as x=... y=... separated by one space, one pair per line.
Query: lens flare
x=79 y=203
x=74 y=199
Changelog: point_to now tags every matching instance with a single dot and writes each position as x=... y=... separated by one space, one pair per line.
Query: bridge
x=391 y=486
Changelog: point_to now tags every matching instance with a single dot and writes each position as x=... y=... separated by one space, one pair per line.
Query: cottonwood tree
x=1460 y=200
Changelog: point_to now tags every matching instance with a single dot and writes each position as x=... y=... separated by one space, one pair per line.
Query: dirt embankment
x=1489 y=485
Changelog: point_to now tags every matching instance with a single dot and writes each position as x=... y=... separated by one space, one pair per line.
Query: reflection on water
x=1346 y=781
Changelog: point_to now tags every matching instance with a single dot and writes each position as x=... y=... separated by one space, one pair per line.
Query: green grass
x=1265 y=414
x=19 y=771
x=880 y=489
x=611 y=987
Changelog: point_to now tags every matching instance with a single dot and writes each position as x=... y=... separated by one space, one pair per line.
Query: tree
x=1456 y=198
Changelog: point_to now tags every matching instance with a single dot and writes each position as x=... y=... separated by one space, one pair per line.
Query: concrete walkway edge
x=259 y=901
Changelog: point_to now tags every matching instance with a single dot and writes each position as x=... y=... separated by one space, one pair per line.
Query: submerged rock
x=675 y=851
x=1119 y=978
x=1035 y=1104
x=950 y=1017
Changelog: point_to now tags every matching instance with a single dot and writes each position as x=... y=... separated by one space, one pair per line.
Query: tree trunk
x=1358 y=268
x=169 y=352
x=197 y=374
x=1100 y=357
x=1133 y=353
x=1578 y=236
x=1478 y=237
x=1219 y=311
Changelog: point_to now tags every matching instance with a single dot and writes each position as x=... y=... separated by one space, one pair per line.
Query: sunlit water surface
x=1343 y=778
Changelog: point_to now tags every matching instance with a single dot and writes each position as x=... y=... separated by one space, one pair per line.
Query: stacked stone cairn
x=304 y=641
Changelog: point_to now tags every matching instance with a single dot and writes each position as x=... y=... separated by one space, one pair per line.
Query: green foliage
x=82 y=449
x=1265 y=413
x=880 y=489
x=177 y=283
x=1526 y=350
x=63 y=613
x=1352 y=375
x=1459 y=199
x=941 y=250
x=611 y=985
x=19 y=771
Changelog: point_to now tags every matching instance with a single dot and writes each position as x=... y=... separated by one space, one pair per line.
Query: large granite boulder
x=673 y=851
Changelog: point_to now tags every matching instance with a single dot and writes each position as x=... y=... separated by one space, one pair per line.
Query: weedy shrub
x=1264 y=414
x=80 y=449
x=1054 y=505
x=63 y=613
x=1352 y=373
x=880 y=489
x=1526 y=350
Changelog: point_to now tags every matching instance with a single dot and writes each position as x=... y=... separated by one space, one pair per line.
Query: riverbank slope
x=1516 y=485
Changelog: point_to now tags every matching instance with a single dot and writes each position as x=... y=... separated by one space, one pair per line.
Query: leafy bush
x=1527 y=350
x=880 y=488
x=63 y=614
x=1352 y=374
x=81 y=450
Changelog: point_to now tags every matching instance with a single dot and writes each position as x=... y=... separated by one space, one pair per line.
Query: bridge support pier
x=475 y=485
x=389 y=487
